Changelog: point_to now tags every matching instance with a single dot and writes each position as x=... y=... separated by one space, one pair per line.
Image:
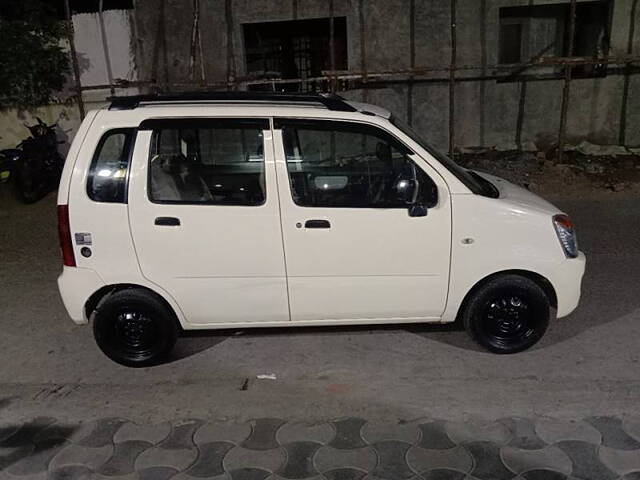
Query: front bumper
x=76 y=285
x=567 y=282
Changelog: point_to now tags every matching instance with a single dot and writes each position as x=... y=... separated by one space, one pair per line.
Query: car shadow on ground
x=194 y=342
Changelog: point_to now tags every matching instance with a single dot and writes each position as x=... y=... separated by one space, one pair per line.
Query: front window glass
x=471 y=180
x=337 y=164
x=218 y=162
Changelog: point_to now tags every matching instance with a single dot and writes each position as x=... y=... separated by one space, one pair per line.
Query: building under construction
x=505 y=74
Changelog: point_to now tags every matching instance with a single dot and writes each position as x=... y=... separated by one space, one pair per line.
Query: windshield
x=472 y=180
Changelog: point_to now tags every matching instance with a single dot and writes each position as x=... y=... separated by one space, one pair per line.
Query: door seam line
x=284 y=250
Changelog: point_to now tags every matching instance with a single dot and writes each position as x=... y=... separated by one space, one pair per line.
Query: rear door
x=354 y=250
x=204 y=216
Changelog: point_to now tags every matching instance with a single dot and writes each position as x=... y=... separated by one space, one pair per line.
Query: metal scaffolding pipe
x=452 y=80
x=412 y=59
x=105 y=47
x=567 y=83
x=74 y=59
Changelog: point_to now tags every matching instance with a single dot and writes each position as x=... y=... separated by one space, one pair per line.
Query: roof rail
x=330 y=101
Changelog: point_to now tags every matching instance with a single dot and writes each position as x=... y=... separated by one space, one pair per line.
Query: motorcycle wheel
x=29 y=188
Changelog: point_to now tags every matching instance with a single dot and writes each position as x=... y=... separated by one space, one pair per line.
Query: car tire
x=134 y=327
x=507 y=314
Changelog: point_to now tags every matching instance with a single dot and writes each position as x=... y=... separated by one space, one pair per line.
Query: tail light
x=64 y=232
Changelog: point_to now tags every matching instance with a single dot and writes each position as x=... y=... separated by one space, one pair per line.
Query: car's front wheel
x=507 y=314
x=134 y=327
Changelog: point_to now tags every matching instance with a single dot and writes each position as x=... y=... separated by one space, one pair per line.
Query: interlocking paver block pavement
x=275 y=476
x=613 y=435
x=209 y=462
x=524 y=460
x=392 y=463
x=348 y=433
x=552 y=430
x=157 y=473
x=263 y=434
x=123 y=458
x=487 y=462
x=523 y=434
x=102 y=433
x=90 y=457
x=299 y=460
x=300 y=432
x=444 y=474
x=433 y=435
x=181 y=436
x=148 y=433
x=585 y=461
x=329 y=458
x=38 y=460
x=249 y=474
x=544 y=475
x=344 y=474
x=373 y=432
x=178 y=459
x=423 y=460
x=185 y=476
x=71 y=472
x=598 y=448
x=229 y=432
x=268 y=460
x=478 y=431
x=632 y=427
x=620 y=461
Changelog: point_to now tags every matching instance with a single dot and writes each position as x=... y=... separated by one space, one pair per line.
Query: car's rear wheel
x=134 y=327
x=507 y=314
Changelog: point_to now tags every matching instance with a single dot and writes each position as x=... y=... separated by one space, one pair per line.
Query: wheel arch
x=540 y=280
x=94 y=300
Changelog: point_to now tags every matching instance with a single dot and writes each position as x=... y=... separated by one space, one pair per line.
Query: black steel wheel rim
x=135 y=334
x=509 y=319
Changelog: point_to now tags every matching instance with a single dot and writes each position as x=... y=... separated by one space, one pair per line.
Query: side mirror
x=406 y=190
x=418 y=210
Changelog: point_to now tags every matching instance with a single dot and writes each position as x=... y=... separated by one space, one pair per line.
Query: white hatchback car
x=230 y=210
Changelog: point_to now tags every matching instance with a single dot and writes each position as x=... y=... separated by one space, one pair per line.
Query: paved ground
x=602 y=448
x=570 y=405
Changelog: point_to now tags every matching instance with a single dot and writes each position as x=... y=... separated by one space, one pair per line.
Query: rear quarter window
x=107 y=180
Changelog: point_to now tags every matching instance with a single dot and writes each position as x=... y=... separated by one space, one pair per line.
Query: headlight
x=566 y=235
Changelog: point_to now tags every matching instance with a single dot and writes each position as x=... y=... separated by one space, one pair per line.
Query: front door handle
x=317 y=224
x=167 y=221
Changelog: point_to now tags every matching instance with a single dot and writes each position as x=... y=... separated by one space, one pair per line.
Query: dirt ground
x=577 y=176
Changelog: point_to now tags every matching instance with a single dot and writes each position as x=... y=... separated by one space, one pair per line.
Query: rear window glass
x=107 y=180
x=208 y=161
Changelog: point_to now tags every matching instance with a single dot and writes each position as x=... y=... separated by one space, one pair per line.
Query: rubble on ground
x=614 y=168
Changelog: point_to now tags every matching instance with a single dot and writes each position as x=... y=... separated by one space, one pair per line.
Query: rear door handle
x=167 y=221
x=317 y=224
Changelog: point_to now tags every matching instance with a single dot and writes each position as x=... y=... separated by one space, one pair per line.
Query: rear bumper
x=567 y=282
x=76 y=285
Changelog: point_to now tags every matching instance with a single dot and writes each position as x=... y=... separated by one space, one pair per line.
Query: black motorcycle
x=35 y=165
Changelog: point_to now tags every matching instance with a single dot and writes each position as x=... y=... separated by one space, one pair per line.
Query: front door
x=354 y=249
x=204 y=216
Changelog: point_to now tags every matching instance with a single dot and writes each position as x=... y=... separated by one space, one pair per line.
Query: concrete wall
x=93 y=71
x=13 y=131
x=152 y=43
x=487 y=112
